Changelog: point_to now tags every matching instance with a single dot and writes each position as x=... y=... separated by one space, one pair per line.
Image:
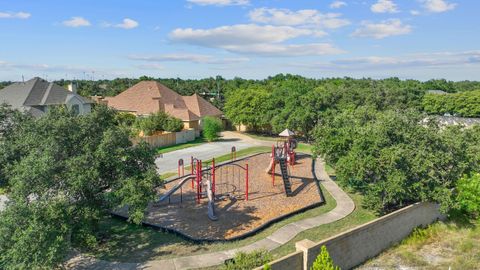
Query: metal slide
x=175 y=188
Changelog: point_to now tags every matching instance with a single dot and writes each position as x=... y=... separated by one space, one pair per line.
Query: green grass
x=171 y=148
x=442 y=245
x=359 y=216
x=330 y=170
x=131 y=243
x=3 y=191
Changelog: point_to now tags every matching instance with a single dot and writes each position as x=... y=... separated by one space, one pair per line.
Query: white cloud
x=127 y=23
x=186 y=57
x=304 y=17
x=337 y=4
x=76 y=22
x=14 y=15
x=286 y=50
x=391 y=27
x=384 y=6
x=419 y=60
x=438 y=6
x=220 y=2
x=263 y=40
x=239 y=34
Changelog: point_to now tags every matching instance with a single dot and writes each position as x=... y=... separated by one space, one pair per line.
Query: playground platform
x=237 y=217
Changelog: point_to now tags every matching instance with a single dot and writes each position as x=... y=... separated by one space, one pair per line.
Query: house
x=149 y=97
x=37 y=95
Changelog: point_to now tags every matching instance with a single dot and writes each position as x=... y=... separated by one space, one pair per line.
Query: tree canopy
x=65 y=173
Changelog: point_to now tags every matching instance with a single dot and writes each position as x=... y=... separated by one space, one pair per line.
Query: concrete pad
x=286 y=233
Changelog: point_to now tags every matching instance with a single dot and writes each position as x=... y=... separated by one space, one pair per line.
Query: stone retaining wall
x=357 y=245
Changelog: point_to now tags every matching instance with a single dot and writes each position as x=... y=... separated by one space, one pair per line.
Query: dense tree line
x=466 y=104
x=64 y=173
x=395 y=158
x=298 y=104
x=216 y=88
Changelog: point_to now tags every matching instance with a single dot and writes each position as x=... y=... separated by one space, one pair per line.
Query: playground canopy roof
x=286 y=133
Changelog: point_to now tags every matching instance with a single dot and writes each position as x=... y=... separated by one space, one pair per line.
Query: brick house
x=149 y=97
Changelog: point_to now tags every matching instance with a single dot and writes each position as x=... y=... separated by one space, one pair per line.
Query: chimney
x=72 y=87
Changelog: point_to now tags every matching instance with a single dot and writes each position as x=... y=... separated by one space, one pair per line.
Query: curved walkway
x=344 y=207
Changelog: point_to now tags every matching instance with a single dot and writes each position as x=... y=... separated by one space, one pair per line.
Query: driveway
x=169 y=161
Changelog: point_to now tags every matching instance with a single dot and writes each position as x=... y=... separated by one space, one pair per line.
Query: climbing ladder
x=285 y=176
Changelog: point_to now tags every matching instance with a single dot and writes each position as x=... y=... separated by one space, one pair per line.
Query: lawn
x=171 y=148
x=443 y=245
x=359 y=216
x=131 y=243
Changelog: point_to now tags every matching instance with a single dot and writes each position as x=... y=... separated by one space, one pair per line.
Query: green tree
x=250 y=107
x=65 y=173
x=468 y=195
x=211 y=127
x=158 y=122
x=323 y=261
x=394 y=159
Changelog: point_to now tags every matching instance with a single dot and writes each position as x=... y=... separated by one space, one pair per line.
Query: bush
x=211 y=127
x=125 y=119
x=468 y=197
x=323 y=261
x=158 y=122
x=248 y=261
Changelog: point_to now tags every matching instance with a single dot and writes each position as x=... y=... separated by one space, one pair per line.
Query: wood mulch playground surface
x=236 y=216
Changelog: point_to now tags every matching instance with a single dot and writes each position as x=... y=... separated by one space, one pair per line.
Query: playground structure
x=283 y=154
x=202 y=179
x=237 y=196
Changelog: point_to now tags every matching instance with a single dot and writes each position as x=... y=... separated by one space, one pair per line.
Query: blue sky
x=418 y=39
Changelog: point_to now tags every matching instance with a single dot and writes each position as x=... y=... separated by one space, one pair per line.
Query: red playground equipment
x=232 y=182
x=284 y=155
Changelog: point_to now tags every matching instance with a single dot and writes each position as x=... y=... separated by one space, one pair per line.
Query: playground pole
x=273 y=165
x=246 y=178
x=191 y=167
x=213 y=175
x=198 y=181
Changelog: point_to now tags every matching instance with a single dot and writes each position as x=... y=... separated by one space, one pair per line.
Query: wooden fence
x=167 y=138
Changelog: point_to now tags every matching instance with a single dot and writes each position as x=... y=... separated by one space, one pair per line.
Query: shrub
x=211 y=127
x=323 y=261
x=125 y=119
x=468 y=197
x=248 y=261
x=173 y=125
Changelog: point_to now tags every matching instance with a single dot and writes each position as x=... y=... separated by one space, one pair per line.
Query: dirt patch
x=236 y=215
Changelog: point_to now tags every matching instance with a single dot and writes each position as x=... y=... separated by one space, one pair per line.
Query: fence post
x=246 y=178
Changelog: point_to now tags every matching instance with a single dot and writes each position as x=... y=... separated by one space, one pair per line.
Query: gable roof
x=36 y=92
x=147 y=97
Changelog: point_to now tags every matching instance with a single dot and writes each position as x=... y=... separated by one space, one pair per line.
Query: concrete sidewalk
x=344 y=207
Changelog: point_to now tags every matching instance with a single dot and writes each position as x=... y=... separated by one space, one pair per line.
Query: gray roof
x=36 y=92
